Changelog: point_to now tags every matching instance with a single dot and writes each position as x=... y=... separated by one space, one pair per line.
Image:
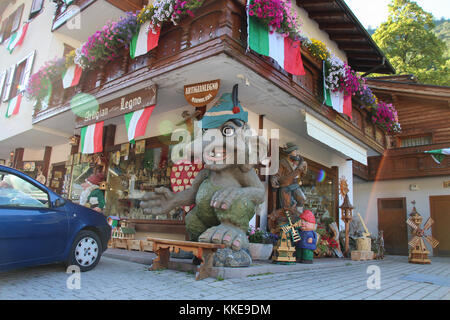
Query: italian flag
x=144 y=40
x=439 y=154
x=136 y=122
x=17 y=38
x=14 y=106
x=285 y=51
x=71 y=77
x=337 y=100
x=92 y=138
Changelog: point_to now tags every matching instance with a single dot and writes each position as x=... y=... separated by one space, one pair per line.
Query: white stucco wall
x=367 y=193
x=40 y=38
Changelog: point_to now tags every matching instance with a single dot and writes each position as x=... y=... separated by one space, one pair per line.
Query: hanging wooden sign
x=200 y=94
x=119 y=106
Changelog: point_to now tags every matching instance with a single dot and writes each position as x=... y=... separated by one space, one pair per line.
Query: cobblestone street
x=117 y=279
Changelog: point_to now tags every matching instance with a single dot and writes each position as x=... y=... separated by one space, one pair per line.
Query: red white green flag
x=439 y=154
x=17 y=38
x=285 y=51
x=136 y=122
x=92 y=138
x=71 y=77
x=144 y=40
x=14 y=106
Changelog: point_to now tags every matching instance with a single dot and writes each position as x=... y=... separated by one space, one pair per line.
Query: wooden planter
x=121 y=244
x=146 y=246
x=134 y=245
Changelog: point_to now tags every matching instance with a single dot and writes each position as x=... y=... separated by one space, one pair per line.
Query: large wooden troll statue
x=225 y=192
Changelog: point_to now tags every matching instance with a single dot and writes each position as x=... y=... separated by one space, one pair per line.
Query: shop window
x=18 y=77
x=36 y=8
x=11 y=24
x=319 y=186
x=415 y=141
x=134 y=171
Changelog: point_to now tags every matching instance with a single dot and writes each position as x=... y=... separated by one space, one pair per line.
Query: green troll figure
x=225 y=193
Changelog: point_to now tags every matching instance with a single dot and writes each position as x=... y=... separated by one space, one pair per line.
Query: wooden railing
x=404 y=163
x=218 y=27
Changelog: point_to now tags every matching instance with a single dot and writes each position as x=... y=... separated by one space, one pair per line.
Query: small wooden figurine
x=380 y=245
x=308 y=243
x=418 y=252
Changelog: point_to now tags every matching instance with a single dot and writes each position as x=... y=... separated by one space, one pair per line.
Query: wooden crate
x=121 y=244
x=146 y=246
x=362 y=255
x=134 y=245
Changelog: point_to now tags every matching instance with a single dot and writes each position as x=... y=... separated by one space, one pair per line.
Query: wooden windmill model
x=418 y=252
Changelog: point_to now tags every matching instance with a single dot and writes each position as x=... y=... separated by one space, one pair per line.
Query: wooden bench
x=203 y=251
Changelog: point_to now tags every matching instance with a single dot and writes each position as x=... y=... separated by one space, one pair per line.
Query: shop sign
x=200 y=94
x=128 y=103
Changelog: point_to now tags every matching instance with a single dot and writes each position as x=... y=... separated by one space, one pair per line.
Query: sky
x=374 y=12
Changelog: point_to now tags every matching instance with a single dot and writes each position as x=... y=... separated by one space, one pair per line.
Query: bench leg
x=162 y=260
x=205 y=268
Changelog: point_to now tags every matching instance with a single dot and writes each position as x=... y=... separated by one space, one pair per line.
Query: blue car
x=39 y=227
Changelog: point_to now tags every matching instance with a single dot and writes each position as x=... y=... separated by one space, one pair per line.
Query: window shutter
x=27 y=71
x=12 y=71
x=36 y=7
x=17 y=18
x=2 y=81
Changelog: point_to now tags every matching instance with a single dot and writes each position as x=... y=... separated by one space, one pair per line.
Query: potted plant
x=261 y=243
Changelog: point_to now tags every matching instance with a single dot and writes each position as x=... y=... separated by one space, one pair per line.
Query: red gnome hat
x=96 y=178
x=308 y=216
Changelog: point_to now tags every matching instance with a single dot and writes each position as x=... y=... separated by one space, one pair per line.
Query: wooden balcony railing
x=404 y=163
x=220 y=26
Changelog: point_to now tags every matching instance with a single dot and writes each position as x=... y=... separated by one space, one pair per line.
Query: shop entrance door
x=440 y=213
x=392 y=220
x=57 y=177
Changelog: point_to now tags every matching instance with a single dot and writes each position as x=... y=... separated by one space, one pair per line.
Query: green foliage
x=410 y=44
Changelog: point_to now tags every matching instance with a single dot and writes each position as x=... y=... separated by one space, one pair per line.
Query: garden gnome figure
x=91 y=196
x=288 y=178
x=306 y=246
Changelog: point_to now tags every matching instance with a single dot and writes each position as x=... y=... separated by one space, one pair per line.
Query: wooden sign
x=200 y=94
x=128 y=103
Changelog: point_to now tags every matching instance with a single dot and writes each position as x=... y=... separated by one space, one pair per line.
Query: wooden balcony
x=219 y=27
x=403 y=163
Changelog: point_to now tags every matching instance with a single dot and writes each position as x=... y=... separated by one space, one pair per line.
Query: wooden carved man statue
x=288 y=179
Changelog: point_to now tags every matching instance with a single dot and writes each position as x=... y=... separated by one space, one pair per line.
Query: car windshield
x=17 y=192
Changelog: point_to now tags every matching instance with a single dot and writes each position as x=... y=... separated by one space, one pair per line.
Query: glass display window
x=320 y=186
x=135 y=169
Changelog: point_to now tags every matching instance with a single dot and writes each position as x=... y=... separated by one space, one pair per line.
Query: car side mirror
x=59 y=202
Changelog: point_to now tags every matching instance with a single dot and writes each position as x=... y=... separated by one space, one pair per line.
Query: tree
x=408 y=40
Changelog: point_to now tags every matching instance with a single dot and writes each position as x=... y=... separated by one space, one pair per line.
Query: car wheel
x=86 y=251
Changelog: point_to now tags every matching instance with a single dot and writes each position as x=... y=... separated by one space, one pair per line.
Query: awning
x=332 y=138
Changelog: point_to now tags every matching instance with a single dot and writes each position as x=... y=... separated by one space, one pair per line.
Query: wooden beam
x=313 y=3
x=325 y=15
x=346 y=36
x=348 y=46
x=47 y=155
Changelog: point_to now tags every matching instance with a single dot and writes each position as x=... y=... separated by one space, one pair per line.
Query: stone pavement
x=118 y=279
